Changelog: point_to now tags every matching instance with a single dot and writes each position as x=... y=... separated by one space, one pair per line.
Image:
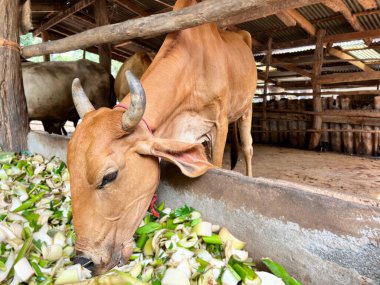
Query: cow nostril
x=85 y=262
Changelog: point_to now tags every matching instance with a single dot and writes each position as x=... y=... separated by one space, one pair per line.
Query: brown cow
x=201 y=79
x=137 y=64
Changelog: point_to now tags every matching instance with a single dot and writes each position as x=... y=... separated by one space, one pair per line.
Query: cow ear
x=190 y=158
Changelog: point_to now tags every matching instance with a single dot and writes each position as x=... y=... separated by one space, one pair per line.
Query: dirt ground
x=337 y=172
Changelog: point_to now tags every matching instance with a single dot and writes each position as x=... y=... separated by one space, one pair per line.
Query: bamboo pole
x=154 y=25
x=268 y=60
x=317 y=103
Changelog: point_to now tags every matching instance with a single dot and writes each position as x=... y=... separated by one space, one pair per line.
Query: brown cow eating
x=200 y=80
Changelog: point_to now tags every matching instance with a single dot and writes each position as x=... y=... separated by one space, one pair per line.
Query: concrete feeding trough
x=320 y=237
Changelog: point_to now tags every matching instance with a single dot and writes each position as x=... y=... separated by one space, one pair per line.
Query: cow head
x=114 y=170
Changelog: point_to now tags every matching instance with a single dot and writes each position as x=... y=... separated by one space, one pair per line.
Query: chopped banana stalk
x=230 y=277
x=203 y=229
x=269 y=279
x=175 y=277
x=225 y=235
x=23 y=269
x=37 y=238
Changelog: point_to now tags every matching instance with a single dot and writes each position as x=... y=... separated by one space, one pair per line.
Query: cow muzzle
x=85 y=262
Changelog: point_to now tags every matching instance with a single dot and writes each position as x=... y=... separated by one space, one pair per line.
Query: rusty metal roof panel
x=152 y=5
x=266 y=24
x=370 y=22
x=119 y=14
x=335 y=26
x=289 y=34
x=354 y=6
x=315 y=12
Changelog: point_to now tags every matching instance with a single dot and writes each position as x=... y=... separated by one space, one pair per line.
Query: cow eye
x=108 y=178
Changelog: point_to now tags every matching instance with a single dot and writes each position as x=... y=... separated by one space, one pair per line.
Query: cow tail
x=234 y=153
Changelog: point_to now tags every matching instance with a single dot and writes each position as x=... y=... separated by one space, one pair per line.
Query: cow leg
x=219 y=143
x=244 y=124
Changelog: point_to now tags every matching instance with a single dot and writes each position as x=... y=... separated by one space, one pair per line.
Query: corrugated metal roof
x=335 y=26
x=266 y=24
x=365 y=54
x=290 y=34
x=354 y=6
x=315 y=12
x=370 y=22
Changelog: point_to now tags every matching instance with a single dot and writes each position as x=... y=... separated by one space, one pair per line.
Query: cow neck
x=124 y=106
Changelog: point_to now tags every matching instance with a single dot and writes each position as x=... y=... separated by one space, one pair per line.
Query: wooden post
x=317 y=103
x=45 y=38
x=14 y=123
x=348 y=140
x=101 y=17
x=268 y=61
x=377 y=136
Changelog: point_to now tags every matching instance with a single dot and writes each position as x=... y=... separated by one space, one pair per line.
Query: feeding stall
x=321 y=237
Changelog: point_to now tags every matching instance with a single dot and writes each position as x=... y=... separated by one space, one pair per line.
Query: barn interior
x=315 y=129
x=303 y=76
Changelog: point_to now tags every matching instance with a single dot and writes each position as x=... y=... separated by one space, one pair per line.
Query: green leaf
x=184 y=210
x=278 y=270
x=148 y=228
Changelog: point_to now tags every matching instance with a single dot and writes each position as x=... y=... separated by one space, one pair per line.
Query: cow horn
x=81 y=101
x=136 y=110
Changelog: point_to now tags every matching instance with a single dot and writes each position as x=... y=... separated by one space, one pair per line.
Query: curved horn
x=81 y=101
x=136 y=110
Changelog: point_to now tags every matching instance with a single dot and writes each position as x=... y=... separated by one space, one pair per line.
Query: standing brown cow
x=200 y=80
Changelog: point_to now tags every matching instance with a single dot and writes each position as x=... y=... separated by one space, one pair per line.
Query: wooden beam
x=353 y=36
x=45 y=38
x=101 y=18
x=324 y=93
x=328 y=39
x=368 y=4
x=291 y=67
x=154 y=25
x=63 y=15
x=286 y=19
x=308 y=27
x=14 y=122
x=268 y=61
x=131 y=6
x=317 y=101
x=340 y=6
x=348 y=77
x=302 y=21
x=342 y=55
x=47 y=7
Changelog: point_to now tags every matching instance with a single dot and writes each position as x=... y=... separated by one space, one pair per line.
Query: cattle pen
x=313 y=202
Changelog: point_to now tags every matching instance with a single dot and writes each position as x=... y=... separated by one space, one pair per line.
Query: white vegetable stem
x=175 y=277
x=23 y=269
